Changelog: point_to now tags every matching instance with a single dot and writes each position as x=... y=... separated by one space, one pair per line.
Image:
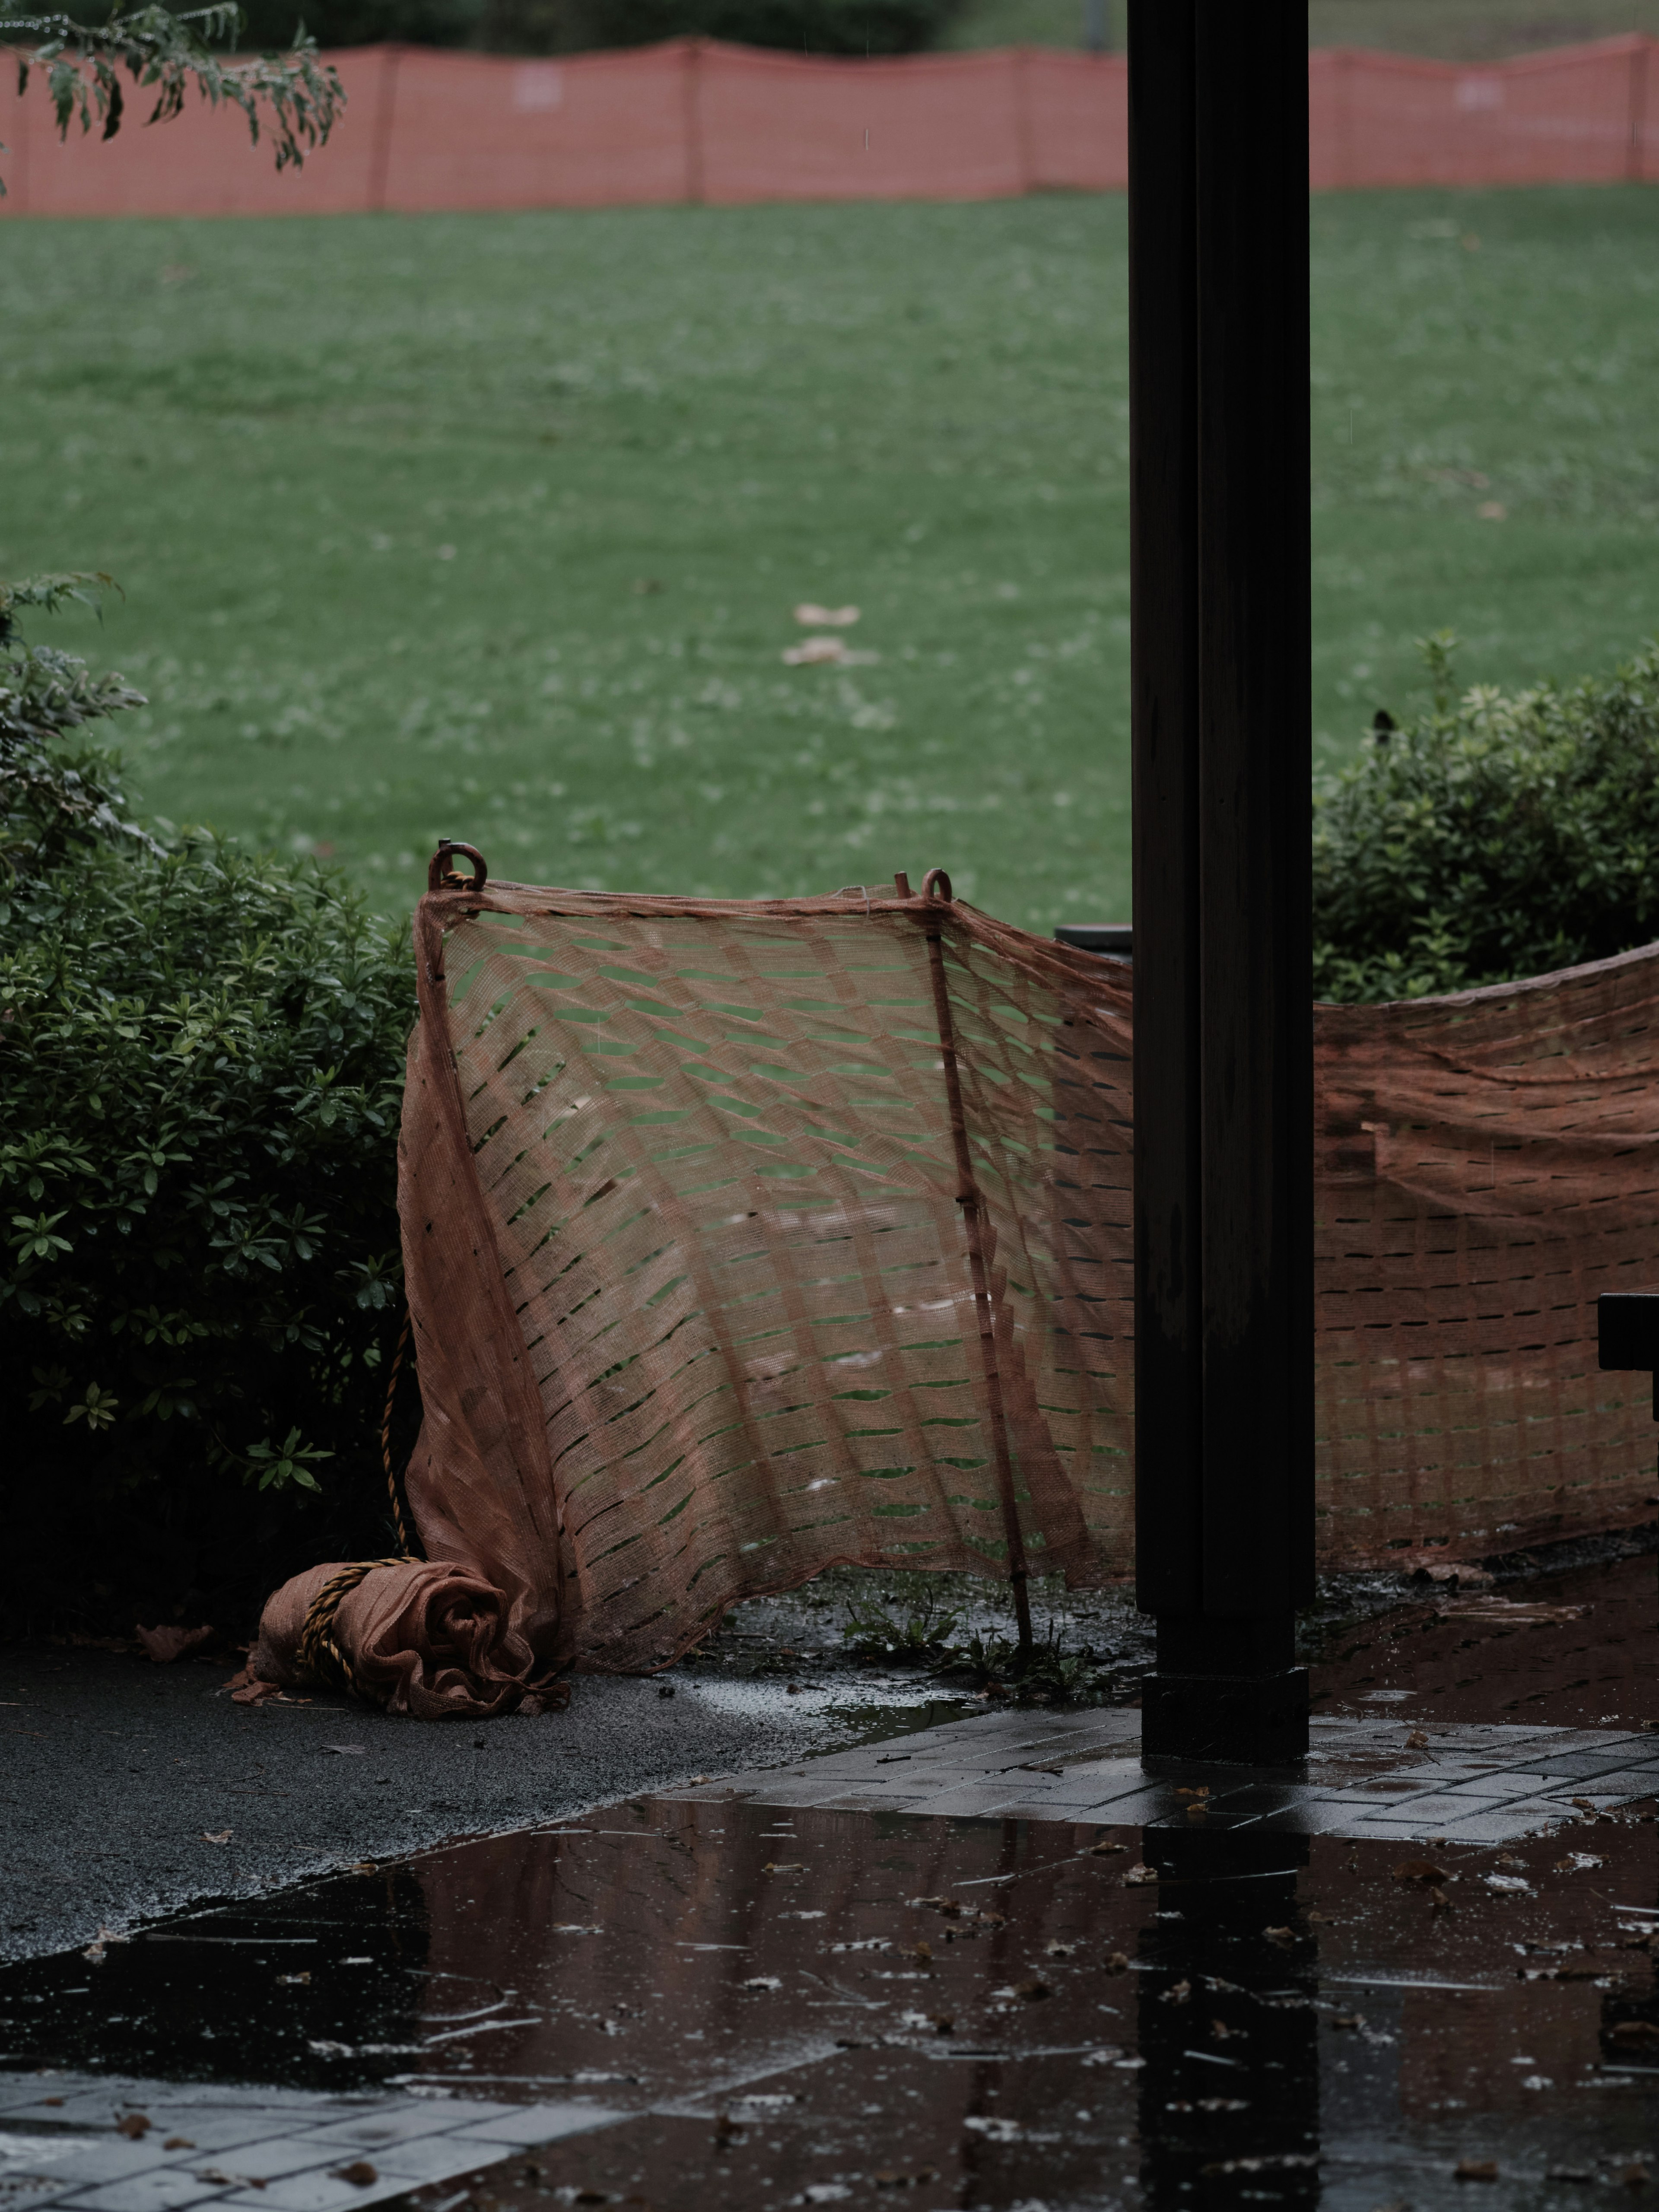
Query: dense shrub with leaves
x=1499 y=834
x=200 y=1071
x=812 y=27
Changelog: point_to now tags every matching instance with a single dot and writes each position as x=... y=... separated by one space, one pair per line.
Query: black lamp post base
x=1250 y=1720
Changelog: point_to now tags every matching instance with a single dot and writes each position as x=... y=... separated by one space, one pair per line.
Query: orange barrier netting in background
x=695 y=121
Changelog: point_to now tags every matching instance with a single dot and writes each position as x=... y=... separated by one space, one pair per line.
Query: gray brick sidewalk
x=61 y=2145
x=1470 y=1782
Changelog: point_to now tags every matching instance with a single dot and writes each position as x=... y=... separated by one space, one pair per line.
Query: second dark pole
x=1222 y=753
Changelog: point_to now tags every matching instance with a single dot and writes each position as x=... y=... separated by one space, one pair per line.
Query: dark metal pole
x=1222 y=747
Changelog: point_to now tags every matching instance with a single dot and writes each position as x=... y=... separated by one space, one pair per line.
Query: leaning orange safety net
x=746 y=1238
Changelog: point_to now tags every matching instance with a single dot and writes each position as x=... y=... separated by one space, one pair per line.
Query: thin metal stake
x=972 y=1205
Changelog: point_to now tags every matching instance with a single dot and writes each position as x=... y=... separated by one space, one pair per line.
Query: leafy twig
x=298 y=94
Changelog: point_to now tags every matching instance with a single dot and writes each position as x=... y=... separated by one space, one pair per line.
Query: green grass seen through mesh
x=494 y=525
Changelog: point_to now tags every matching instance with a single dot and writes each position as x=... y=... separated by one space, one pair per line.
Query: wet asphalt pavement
x=129 y=1789
x=695 y=2001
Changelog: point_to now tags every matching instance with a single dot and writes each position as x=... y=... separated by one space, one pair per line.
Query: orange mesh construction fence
x=692 y=120
x=743 y=1239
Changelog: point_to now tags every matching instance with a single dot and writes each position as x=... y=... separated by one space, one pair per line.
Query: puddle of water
x=861 y=1711
x=801 y=2007
x=1504 y=1656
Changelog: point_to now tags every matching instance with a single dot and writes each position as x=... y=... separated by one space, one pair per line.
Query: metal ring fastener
x=440 y=876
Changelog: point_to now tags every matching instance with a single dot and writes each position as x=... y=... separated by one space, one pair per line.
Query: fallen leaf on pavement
x=1476 y=2169
x=1106 y=1850
x=1419 y=1870
x=133 y=2125
x=223 y=1836
x=1031 y=1991
x=1282 y=1936
x=247 y=1689
x=360 y=2171
x=178 y=2143
x=166 y=1645
x=1417 y=1741
x=1138 y=1876
x=347 y=1750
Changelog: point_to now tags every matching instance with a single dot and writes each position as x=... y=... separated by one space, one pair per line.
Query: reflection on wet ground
x=803 y=2005
x=811 y=2007
x=1572 y=1650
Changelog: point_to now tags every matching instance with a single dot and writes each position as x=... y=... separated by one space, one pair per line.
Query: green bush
x=569 y=26
x=200 y=1072
x=815 y=27
x=271 y=24
x=1500 y=835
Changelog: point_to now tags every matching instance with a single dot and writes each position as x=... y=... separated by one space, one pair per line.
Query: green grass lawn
x=494 y=525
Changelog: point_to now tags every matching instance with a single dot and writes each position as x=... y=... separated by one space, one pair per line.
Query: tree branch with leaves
x=296 y=96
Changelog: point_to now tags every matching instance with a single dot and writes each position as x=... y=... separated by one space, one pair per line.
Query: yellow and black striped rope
x=319 y=1658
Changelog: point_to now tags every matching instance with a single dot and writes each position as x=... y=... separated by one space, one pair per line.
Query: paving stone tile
x=85 y=2108
x=319 y=2192
x=1144 y=1806
x=273 y=2157
x=434 y=2158
x=537 y=2123
x=19 y=2092
x=1308 y=1818
x=971 y=1801
x=87 y=2162
x=163 y=2190
x=210 y=2132
x=855 y=1801
x=1060 y=1793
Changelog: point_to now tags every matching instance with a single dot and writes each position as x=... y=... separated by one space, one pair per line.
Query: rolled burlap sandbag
x=422 y=1636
